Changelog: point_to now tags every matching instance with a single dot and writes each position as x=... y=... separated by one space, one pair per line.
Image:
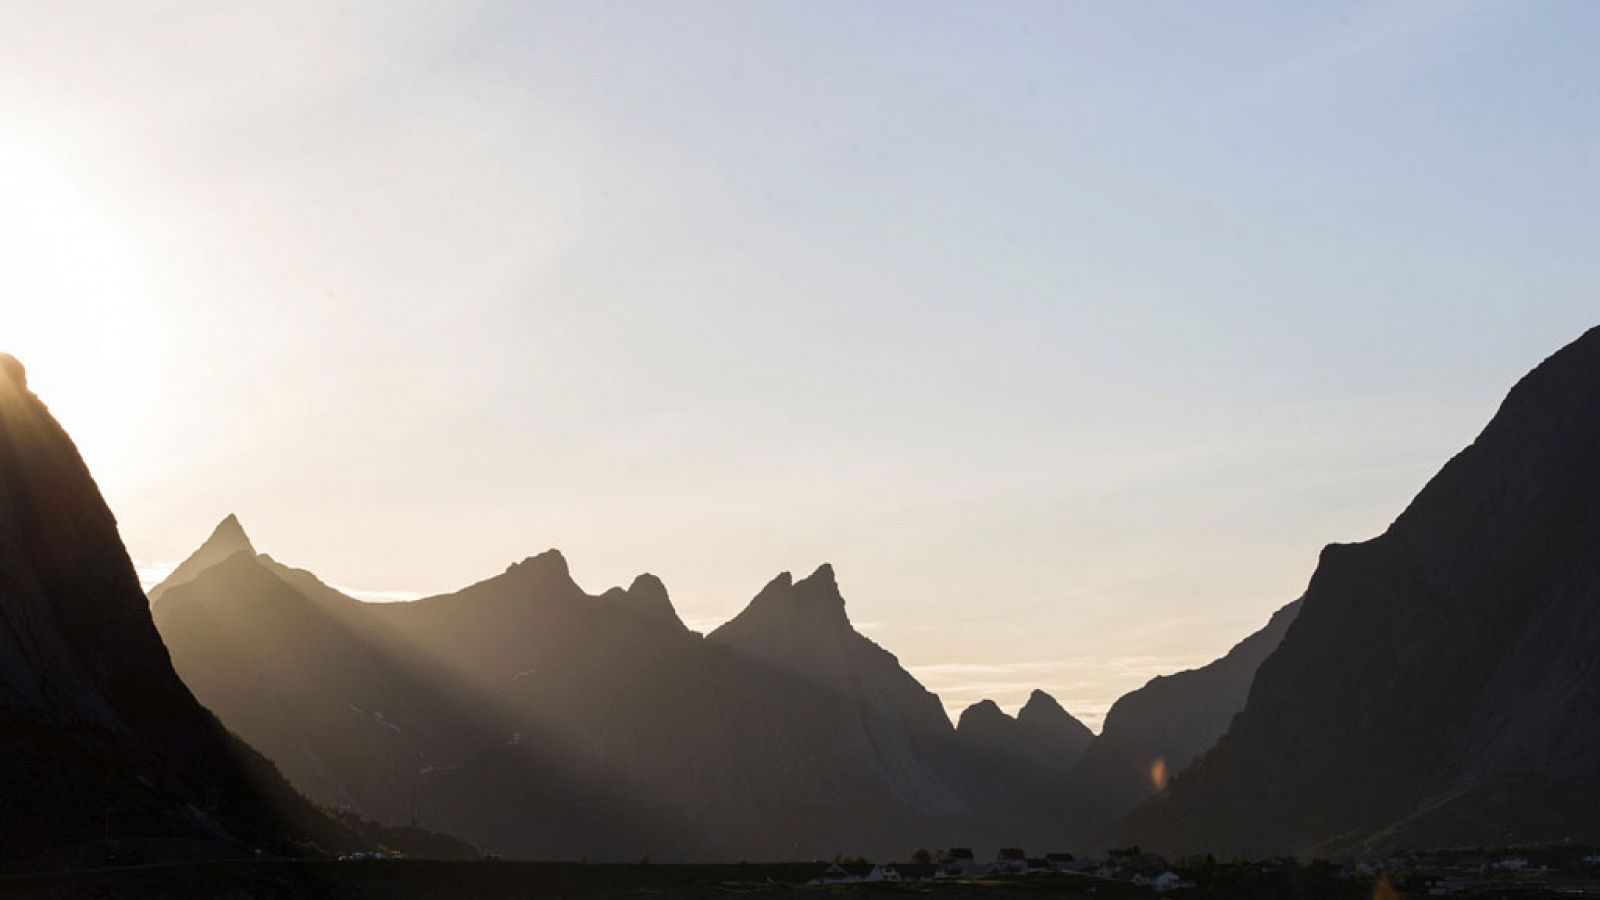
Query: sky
x=1069 y=332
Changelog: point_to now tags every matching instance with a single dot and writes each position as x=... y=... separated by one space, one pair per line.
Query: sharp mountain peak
x=984 y=712
x=1041 y=704
x=229 y=533
x=226 y=540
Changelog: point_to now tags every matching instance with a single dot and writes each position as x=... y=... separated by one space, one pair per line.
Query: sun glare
x=69 y=298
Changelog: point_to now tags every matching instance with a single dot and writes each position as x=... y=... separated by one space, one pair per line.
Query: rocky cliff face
x=104 y=747
x=1439 y=683
x=1157 y=730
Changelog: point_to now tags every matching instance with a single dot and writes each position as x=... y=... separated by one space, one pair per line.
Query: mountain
x=539 y=720
x=1018 y=771
x=105 y=750
x=1052 y=733
x=226 y=540
x=887 y=722
x=1043 y=741
x=1158 y=729
x=1439 y=684
x=416 y=712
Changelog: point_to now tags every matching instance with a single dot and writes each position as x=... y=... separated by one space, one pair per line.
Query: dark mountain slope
x=1440 y=683
x=1158 y=729
x=1055 y=735
x=101 y=738
x=889 y=723
x=1017 y=771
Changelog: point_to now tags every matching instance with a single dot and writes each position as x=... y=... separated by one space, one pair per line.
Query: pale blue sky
x=1069 y=332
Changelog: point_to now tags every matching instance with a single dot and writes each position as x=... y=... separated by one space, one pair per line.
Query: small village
x=961 y=863
x=1524 y=872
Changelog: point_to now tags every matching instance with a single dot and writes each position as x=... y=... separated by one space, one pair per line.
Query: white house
x=835 y=874
x=1168 y=881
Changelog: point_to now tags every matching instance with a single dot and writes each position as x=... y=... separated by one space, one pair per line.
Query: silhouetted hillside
x=1439 y=684
x=1153 y=732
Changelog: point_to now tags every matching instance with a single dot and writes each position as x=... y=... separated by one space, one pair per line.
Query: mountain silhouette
x=105 y=750
x=1158 y=729
x=1439 y=684
x=226 y=540
x=538 y=720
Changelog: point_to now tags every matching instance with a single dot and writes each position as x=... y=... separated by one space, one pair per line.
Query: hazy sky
x=1068 y=332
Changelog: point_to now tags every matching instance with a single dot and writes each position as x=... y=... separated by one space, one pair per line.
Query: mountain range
x=537 y=720
x=1435 y=685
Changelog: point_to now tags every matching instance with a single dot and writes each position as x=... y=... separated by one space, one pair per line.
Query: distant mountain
x=542 y=721
x=106 y=754
x=891 y=725
x=1042 y=741
x=1440 y=684
x=226 y=540
x=1153 y=732
x=1018 y=771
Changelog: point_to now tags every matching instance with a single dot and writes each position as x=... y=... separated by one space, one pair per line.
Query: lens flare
x=1158 y=773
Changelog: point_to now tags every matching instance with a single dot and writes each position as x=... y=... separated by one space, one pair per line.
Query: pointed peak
x=545 y=572
x=648 y=595
x=985 y=712
x=818 y=591
x=12 y=369
x=781 y=584
x=230 y=532
x=1045 y=718
x=550 y=562
x=823 y=576
x=227 y=540
x=647 y=585
x=822 y=590
x=812 y=604
x=1040 y=703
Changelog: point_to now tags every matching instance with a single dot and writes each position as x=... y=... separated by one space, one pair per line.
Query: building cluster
x=961 y=862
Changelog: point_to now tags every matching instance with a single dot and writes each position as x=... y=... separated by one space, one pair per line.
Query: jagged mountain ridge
x=1438 y=684
x=587 y=725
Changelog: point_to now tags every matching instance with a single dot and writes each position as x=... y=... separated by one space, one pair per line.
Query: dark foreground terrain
x=416 y=880
x=1503 y=874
